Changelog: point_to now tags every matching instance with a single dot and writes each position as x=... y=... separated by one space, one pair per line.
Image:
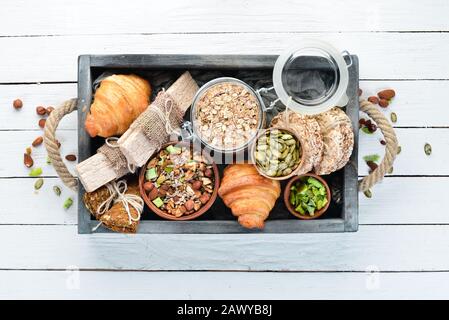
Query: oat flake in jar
x=226 y=115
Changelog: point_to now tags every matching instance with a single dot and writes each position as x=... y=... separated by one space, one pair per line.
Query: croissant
x=250 y=196
x=118 y=101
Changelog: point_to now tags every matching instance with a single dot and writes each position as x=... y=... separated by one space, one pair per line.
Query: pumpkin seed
x=399 y=149
x=428 y=149
x=38 y=184
x=393 y=117
x=277 y=153
x=57 y=190
x=390 y=171
x=368 y=193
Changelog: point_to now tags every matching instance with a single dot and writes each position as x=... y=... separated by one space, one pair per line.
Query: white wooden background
x=404 y=228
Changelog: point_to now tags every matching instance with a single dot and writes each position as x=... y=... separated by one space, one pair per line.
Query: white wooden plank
x=417 y=103
x=14 y=143
x=412 y=160
x=382 y=55
x=72 y=284
x=399 y=200
x=405 y=200
x=386 y=248
x=85 y=17
x=23 y=205
x=33 y=95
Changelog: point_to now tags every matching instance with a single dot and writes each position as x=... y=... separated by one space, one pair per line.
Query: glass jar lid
x=312 y=78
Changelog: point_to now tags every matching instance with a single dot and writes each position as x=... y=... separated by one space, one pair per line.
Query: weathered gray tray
x=342 y=215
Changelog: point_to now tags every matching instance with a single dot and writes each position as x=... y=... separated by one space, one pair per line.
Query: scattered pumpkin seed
x=399 y=149
x=393 y=117
x=68 y=203
x=38 y=184
x=368 y=193
x=57 y=190
x=390 y=171
x=427 y=149
x=36 y=172
x=48 y=160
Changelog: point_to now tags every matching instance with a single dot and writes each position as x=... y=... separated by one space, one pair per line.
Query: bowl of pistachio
x=277 y=153
x=307 y=196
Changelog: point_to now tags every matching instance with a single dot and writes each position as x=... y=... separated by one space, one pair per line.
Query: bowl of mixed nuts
x=226 y=114
x=277 y=153
x=179 y=182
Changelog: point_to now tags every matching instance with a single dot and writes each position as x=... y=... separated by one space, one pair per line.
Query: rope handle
x=391 y=146
x=52 y=146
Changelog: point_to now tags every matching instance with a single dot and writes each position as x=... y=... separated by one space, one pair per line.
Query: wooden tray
x=342 y=215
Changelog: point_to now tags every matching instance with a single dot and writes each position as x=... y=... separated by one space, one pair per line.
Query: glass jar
x=312 y=78
x=226 y=115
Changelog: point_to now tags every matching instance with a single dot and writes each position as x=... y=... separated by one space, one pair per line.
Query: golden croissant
x=250 y=196
x=118 y=101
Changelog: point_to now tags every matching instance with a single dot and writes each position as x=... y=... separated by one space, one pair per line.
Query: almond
x=383 y=103
x=373 y=99
x=49 y=110
x=37 y=142
x=70 y=157
x=148 y=186
x=41 y=111
x=386 y=94
x=42 y=123
x=27 y=160
x=153 y=194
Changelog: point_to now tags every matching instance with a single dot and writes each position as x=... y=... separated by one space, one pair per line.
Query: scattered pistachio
x=36 y=172
x=368 y=193
x=393 y=117
x=372 y=157
x=57 y=190
x=28 y=150
x=38 y=184
x=68 y=203
x=427 y=149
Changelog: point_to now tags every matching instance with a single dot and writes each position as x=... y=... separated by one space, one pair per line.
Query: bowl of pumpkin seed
x=277 y=153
